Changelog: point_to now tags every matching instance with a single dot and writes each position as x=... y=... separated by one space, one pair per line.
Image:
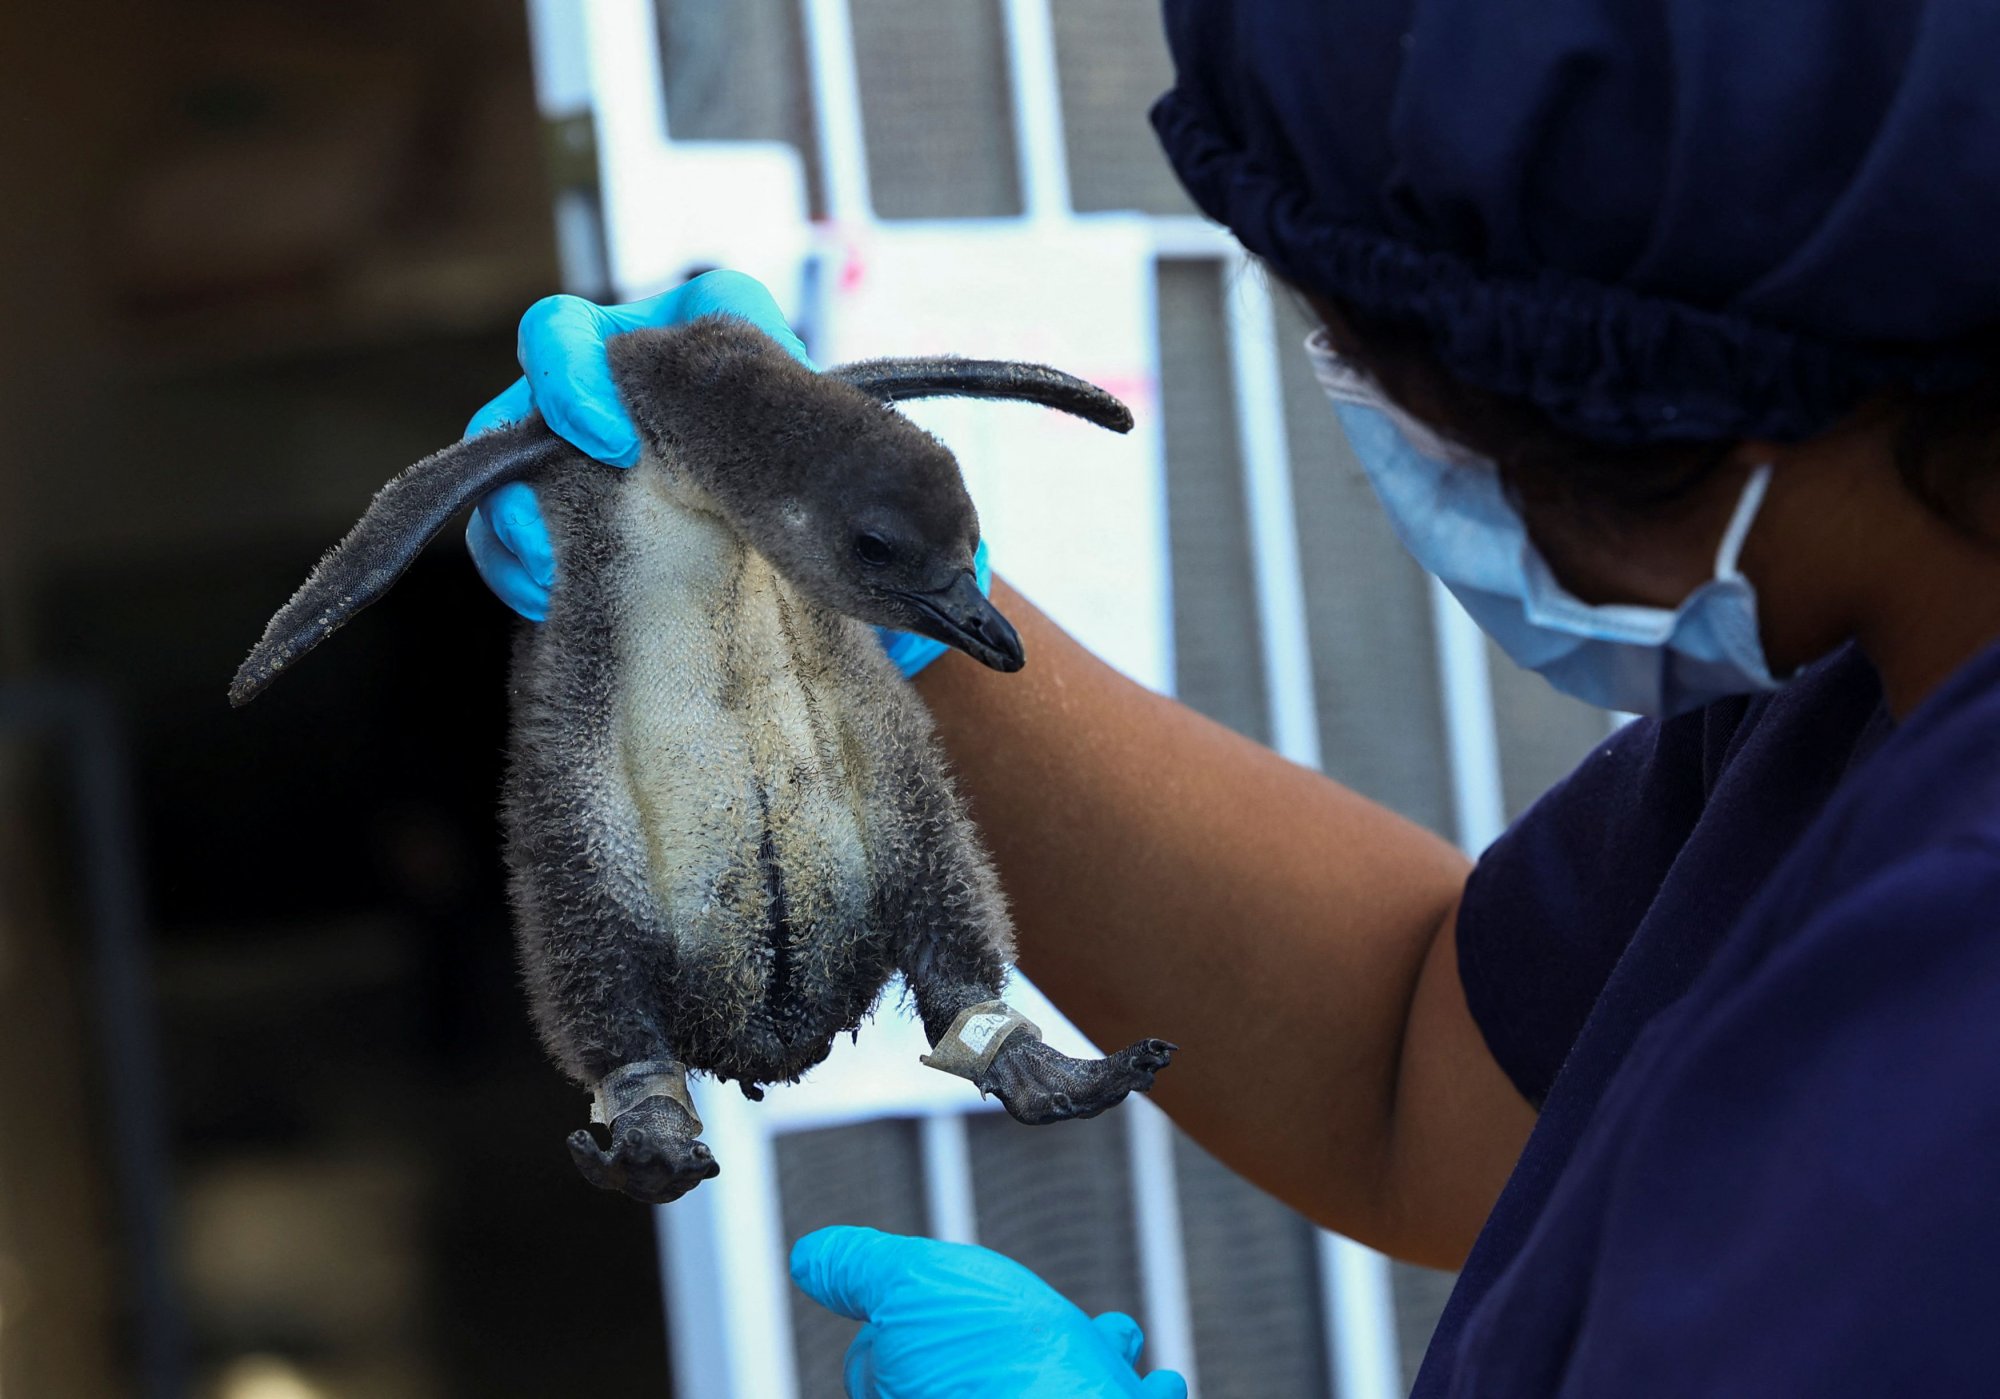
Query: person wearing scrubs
x=1665 y=333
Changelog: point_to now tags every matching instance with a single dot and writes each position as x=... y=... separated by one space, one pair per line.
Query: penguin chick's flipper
x=1001 y=1052
x=405 y=515
x=654 y=1157
x=943 y=376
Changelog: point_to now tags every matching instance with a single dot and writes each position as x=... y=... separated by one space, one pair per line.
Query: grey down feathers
x=728 y=821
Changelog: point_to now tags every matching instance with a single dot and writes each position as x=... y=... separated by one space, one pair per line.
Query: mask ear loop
x=1747 y=506
x=1350 y=384
x=1344 y=382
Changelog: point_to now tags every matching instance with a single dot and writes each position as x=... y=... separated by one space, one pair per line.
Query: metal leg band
x=626 y=1088
x=968 y=1048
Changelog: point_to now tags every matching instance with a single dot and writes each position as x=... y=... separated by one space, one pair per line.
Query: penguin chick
x=858 y=508
x=728 y=820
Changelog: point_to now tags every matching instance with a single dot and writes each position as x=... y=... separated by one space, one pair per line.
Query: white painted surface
x=1076 y=515
x=670 y=206
x=836 y=93
x=1465 y=685
x=1274 y=531
x=1168 y=1316
x=1362 y=1354
x=1040 y=152
x=951 y=1213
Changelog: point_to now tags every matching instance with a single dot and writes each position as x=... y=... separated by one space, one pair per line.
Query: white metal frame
x=722 y=1249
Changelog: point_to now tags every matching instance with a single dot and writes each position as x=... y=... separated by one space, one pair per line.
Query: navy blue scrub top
x=1747 y=962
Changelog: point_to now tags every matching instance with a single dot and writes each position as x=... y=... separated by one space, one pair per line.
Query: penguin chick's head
x=857 y=506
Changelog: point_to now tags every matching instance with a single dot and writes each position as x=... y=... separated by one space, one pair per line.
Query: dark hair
x=1946 y=446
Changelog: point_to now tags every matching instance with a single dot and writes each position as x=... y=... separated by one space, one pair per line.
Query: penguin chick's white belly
x=738 y=749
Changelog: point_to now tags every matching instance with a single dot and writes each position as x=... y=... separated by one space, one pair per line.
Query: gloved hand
x=567 y=379
x=950 y=1321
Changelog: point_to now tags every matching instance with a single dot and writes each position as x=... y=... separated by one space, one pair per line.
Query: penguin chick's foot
x=1039 y=1084
x=654 y=1157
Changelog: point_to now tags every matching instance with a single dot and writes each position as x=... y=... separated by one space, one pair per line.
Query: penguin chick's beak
x=962 y=616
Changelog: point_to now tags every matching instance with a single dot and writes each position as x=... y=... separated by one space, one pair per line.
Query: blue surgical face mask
x=1450 y=511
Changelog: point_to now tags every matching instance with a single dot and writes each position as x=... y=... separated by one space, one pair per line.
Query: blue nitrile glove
x=567 y=379
x=950 y=1321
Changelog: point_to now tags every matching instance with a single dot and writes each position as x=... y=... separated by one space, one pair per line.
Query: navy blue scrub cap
x=1652 y=219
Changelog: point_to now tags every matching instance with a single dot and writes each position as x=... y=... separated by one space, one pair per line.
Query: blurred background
x=272 y=1121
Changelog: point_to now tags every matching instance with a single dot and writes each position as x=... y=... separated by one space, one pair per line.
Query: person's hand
x=950 y=1321
x=567 y=379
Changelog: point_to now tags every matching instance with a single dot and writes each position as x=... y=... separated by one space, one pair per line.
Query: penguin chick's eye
x=873 y=550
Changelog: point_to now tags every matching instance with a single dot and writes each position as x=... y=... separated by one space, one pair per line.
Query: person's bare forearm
x=1171 y=878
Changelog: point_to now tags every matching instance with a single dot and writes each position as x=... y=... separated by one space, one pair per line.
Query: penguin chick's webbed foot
x=1039 y=1084
x=654 y=1157
x=1002 y=1053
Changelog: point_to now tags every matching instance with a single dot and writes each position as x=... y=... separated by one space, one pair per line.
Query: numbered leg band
x=976 y=1036
x=626 y=1088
